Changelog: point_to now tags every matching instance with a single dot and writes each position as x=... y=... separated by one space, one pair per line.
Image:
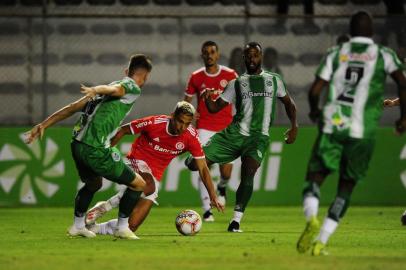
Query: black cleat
x=234 y=226
x=221 y=191
x=208 y=216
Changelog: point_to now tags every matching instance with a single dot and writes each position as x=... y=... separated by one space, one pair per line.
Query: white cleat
x=125 y=233
x=95 y=228
x=73 y=231
x=221 y=200
x=96 y=212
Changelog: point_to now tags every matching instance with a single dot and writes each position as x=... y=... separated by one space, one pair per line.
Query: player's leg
x=204 y=136
x=325 y=157
x=225 y=175
x=353 y=166
x=249 y=167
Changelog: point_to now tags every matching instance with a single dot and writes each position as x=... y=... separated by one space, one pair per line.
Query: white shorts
x=141 y=166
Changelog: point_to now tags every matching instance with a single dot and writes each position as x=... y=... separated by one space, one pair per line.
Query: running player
x=254 y=95
x=212 y=77
x=103 y=109
x=355 y=73
x=161 y=139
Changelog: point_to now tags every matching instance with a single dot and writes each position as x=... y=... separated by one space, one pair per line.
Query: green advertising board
x=43 y=174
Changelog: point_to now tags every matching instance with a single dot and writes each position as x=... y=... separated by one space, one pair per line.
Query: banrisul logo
x=30 y=173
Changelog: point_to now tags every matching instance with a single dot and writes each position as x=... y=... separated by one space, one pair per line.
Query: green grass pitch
x=368 y=238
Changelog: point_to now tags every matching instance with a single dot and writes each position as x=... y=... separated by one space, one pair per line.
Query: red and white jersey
x=198 y=83
x=157 y=147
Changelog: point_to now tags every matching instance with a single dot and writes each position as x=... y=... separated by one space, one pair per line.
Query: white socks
x=328 y=228
x=108 y=227
x=238 y=216
x=114 y=201
x=204 y=196
x=310 y=207
x=122 y=223
x=79 y=222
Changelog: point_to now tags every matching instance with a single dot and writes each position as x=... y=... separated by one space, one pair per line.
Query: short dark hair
x=184 y=107
x=361 y=24
x=139 y=61
x=209 y=43
x=252 y=44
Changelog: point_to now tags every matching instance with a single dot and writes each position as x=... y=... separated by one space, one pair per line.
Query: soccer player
x=355 y=73
x=103 y=108
x=254 y=95
x=161 y=139
x=212 y=77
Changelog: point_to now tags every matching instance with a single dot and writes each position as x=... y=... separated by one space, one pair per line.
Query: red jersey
x=157 y=147
x=198 y=83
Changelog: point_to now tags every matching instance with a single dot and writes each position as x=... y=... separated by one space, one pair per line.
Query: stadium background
x=48 y=48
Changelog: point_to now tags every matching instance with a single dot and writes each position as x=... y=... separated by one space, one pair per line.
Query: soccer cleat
x=95 y=228
x=234 y=226
x=308 y=235
x=125 y=233
x=73 y=231
x=319 y=249
x=208 y=216
x=222 y=197
x=96 y=212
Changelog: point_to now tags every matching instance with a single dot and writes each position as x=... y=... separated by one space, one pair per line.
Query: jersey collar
x=212 y=75
x=362 y=40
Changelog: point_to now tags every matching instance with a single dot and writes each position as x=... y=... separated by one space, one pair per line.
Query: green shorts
x=92 y=163
x=351 y=156
x=229 y=144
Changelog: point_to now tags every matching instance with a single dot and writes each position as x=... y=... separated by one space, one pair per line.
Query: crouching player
x=161 y=139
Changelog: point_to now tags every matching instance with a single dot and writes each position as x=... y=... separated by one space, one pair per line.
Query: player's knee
x=225 y=175
x=338 y=208
x=149 y=188
x=311 y=189
x=94 y=185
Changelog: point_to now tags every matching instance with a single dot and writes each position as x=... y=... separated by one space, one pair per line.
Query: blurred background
x=49 y=47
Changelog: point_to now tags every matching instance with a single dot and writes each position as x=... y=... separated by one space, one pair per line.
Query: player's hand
x=215 y=203
x=314 y=115
x=88 y=91
x=400 y=126
x=34 y=133
x=290 y=135
x=207 y=93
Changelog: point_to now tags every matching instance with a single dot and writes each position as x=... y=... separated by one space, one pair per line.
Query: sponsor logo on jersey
x=363 y=57
x=156 y=139
x=164 y=150
x=180 y=145
x=116 y=156
x=256 y=94
x=223 y=83
x=143 y=124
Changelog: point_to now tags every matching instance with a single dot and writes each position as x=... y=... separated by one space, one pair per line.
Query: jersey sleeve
x=325 y=69
x=138 y=125
x=391 y=60
x=190 y=88
x=195 y=147
x=281 y=87
x=130 y=87
x=228 y=94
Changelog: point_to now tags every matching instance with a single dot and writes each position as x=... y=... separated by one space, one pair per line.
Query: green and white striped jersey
x=102 y=117
x=254 y=99
x=356 y=72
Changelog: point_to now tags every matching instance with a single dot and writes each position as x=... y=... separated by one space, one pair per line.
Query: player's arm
x=314 y=97
x=115 y=90
x=214 y=106
x=122 y=131
x=290 y=108
x=400 y=80
x=65 y=112
x=204 y=173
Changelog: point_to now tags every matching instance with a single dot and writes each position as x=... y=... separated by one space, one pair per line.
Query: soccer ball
x=188 y=222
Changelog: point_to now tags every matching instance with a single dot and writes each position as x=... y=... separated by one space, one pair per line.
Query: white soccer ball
x=188 y=222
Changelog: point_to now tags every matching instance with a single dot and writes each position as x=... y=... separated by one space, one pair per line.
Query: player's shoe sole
x=125 y=234
x=306 y=239
x=96 y=212
x=319 y=249
x=82 y=232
